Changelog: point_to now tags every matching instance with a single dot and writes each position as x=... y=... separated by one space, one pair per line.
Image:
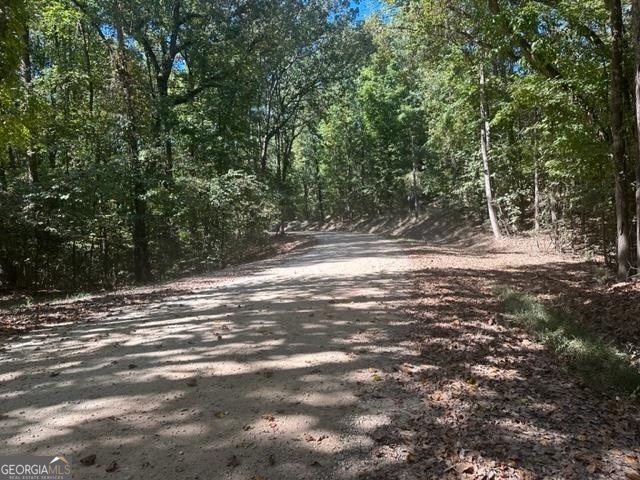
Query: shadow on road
x=307 y=368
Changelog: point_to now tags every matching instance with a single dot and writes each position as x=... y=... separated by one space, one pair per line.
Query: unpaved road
x=272 y=375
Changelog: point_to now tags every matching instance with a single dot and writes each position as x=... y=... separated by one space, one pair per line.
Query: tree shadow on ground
x=496 y=404
x=260 y=375
x=299 y=372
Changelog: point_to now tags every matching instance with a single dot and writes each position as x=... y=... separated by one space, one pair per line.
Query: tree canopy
x=145 y=139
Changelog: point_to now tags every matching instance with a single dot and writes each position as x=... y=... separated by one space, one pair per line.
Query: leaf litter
x=494 y=403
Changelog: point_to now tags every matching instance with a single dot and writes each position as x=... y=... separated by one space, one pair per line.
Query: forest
x=141 y=140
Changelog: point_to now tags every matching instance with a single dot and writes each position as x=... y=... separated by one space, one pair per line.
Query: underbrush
x=600 y=365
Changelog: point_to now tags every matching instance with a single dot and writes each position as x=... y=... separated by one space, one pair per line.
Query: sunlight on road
x=271 y=362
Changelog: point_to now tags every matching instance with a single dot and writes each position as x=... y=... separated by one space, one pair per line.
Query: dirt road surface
x=275 y=374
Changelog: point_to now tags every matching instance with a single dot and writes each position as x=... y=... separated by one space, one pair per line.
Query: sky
x=367 y=7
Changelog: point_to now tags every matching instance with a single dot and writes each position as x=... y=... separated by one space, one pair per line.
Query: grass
x=600 y=365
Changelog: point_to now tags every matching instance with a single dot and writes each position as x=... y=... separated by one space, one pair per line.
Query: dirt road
x=272 y=375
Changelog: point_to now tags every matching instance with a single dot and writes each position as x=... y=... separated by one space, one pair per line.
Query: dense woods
x=145 y=139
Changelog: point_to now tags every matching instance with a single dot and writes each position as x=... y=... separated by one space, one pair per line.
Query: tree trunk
x=485 y=149
x=536 y=181
x=617 y=139
x=264 y=152
x=141 y=261
x=27 y=77
x=536 y=195
x=162 y=122
x=414 y=178
x=25 y=61
x=636 y=46
x=87 y=66
x=319 y=189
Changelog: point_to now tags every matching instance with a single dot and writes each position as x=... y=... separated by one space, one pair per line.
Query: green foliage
x=601 y=366
x=219 y=218
x=418 y=97
x=369 y=136
x=13 y=15
x=146 y=138
x=132 y=131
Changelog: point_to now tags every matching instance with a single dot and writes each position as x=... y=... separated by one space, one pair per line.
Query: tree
x=635 y=10
x=616 y=99
x=485 y=149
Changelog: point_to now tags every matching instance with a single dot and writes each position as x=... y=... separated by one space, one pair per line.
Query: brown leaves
x=633 y=470
x=271 y=420
x=23 y=319
x=632 y=474
x=310 y=438
x=464 y=467
x=491 y=389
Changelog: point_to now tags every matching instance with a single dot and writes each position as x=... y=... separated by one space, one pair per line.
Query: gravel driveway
x=276 y=374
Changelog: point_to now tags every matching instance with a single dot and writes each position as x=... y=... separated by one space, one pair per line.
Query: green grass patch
x=600 y=365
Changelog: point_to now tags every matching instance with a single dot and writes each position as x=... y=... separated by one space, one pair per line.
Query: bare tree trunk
x=536 y=182
x=536 y=195
x=305 y=189
x=485 y=149
x=617 y=137
x=636 y=45
x=319 y=188
x=416 y=203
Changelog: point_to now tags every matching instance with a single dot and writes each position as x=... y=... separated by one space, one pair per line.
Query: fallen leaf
x=112 y=467
x=593 y=467
x=632 y=475
x=464 y=467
